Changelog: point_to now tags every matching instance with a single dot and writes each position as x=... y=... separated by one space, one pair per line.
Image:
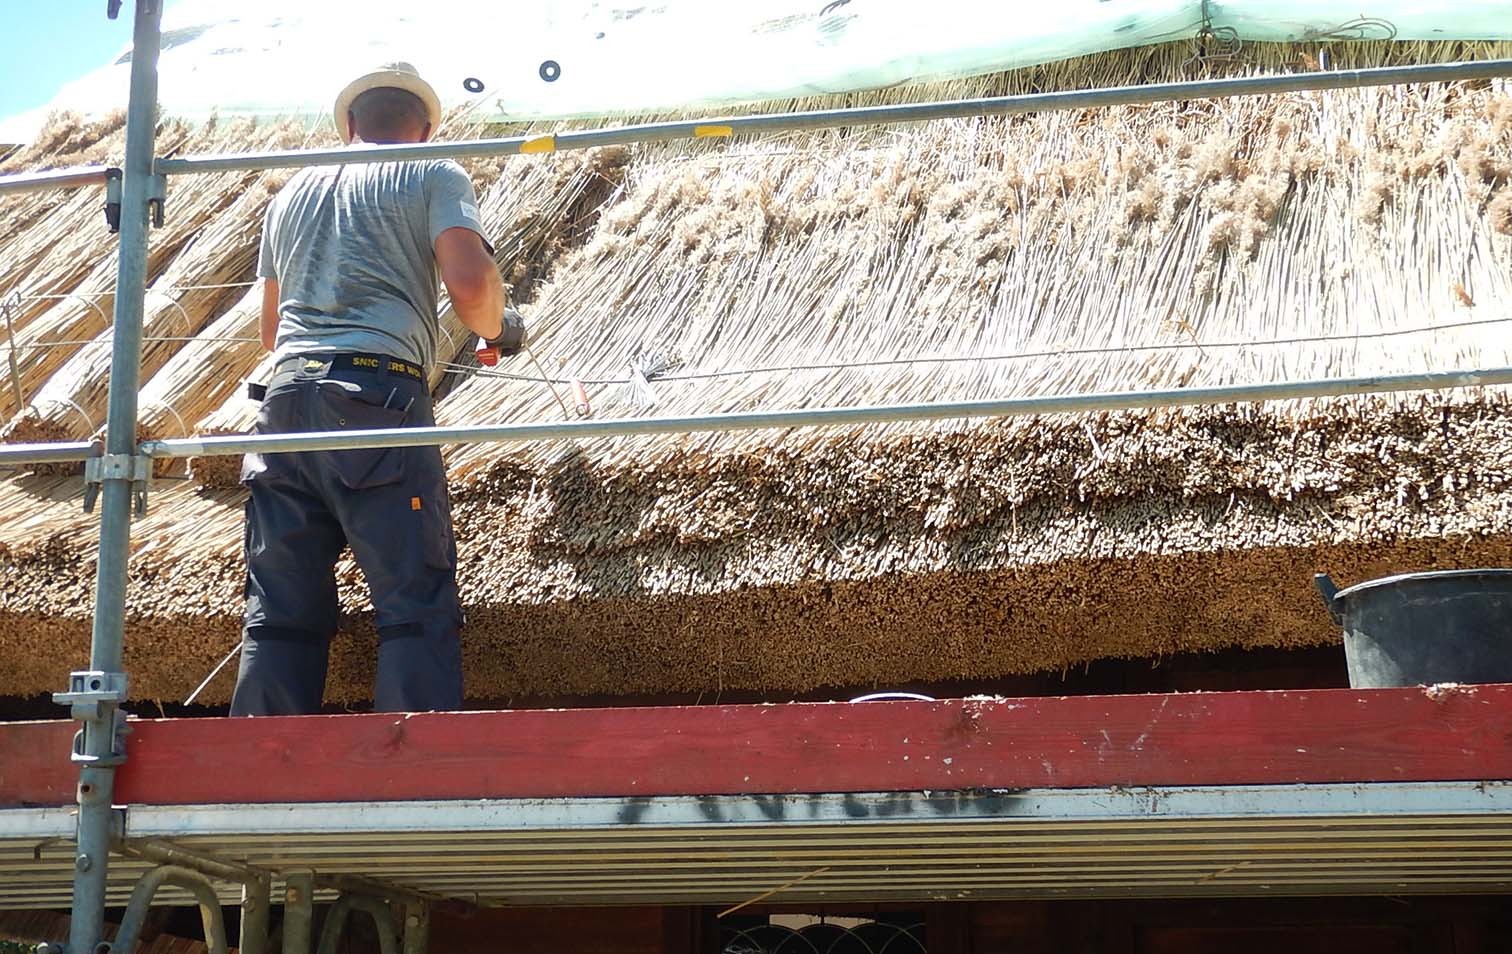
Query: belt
x=356 y=361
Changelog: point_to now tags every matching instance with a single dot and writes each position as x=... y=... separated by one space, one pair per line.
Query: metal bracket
x=136 y=468
x=135 y=918
x=381 y=911
x=157 y=197
x=113 y=200
x=89 y=690
x=92 y=696
x=8 y=305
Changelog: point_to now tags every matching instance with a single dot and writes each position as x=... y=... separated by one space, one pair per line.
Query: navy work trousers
x=389 y=504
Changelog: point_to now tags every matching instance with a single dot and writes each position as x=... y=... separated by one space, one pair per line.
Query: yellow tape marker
x=538 y=145
x=702 y=132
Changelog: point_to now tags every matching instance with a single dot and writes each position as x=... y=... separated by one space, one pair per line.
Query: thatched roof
x=1197 y=243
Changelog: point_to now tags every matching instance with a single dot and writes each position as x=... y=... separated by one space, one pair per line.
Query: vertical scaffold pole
x=97 y=774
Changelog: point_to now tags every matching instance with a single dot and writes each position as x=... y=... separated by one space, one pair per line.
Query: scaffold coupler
x=94 y=698
x=113 y=200
x=136 y=468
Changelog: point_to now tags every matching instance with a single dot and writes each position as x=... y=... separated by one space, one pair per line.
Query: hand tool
x=510 y=342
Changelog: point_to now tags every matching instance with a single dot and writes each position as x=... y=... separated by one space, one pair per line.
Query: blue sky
x=46 y=43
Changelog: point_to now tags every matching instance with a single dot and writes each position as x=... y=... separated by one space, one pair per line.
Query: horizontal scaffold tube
x=15 y=455
x=820 y=417
x=57 y=179
x=861 y=116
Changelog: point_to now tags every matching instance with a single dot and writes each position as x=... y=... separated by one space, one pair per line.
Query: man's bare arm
x=473 y=281
x=267 y=325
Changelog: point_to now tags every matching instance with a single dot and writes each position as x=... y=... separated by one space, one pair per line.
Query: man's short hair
x=388 y=113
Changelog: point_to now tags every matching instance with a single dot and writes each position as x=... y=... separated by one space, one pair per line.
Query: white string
x=547 y=381
x=159 y=402
x=67 y=402
x=1012 y=356
x=186 y=321
x=79 y=342
x=213 y=673
x=165 y=288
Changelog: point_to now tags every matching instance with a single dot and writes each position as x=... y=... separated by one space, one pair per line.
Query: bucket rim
x=1502 y=572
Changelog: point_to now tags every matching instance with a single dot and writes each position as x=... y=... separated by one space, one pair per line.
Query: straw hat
x=389 y=75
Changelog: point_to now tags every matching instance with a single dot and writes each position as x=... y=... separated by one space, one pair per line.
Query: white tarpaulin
x=540 y=59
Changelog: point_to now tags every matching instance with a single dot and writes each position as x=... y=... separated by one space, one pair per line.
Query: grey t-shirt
x=353 y=250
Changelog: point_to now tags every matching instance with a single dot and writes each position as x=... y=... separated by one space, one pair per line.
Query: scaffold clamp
x=113 y=200
x=89 y=690
x=93 y=697
x=136 y=468
x=157 y=198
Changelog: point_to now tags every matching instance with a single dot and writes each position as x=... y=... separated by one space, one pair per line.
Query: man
x=349 y=260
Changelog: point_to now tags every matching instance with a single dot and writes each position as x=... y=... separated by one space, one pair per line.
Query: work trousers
x=389 y=504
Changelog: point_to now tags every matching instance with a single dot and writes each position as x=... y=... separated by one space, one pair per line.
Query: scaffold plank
x=1226 y=738
x=1380 y=838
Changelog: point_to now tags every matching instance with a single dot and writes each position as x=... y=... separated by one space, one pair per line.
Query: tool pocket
x=275 y=415
x=438 y=542
x=344 y=406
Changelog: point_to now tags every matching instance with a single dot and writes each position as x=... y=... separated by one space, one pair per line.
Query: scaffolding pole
x=76 y=178
x=98 y=751
x=16 y=455
x=1143 y=94
x=824 y=416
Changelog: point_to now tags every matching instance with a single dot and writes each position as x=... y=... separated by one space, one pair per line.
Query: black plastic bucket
x=1425 y=628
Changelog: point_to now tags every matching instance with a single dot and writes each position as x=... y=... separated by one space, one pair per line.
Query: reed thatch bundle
x=188 y=294
x=1234 y=241
x=214 y=253
x=234 y=415
x=204 y=373
x=938 y=556
x=56 y=251
x=49 y=341
x=70 y=321
x=1154 y=247
x=66 y=140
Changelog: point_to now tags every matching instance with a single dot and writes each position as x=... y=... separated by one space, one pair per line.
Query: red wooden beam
x=1222 y=738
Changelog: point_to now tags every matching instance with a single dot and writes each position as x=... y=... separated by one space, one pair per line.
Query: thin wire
x=184 y=427
x=767 y=894
x=213 y=673
x=163 y=289
x=961 y=359
x=208 y=287
x=79 y=342
x=546 y=381
x=1360 y=28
